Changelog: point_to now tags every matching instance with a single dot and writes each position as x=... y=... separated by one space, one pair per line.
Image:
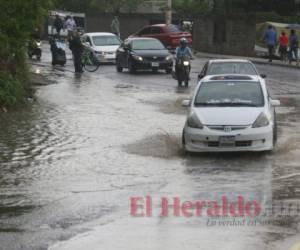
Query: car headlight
x=261 y=121
x=169 y=58
x=138 y=58
x=194 y=122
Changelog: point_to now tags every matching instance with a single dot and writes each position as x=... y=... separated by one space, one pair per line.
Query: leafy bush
x=11 y=90
x=17 y=22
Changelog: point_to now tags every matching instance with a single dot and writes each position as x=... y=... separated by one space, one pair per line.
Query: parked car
x=103 y=44
x=229 y=66
x=169 y=35
x=230 y=113
x=142 y=54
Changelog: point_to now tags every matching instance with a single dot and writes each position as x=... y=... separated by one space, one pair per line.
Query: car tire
x=119 y=67
x=132 y=69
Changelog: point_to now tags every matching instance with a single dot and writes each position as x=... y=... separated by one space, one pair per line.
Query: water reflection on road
x=71 y=160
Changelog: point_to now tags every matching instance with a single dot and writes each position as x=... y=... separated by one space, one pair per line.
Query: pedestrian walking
x=58 y=25
x=115 y=26
x=71 y=26
x=283 y=46
x=77 y=49
x=294 y=44
x=270 y=39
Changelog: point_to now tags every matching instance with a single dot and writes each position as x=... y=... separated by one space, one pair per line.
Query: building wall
x=129 y=23
x=221 y=35
x=233 y=36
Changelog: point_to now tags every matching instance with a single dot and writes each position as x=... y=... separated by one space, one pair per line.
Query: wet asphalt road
x=71 y=160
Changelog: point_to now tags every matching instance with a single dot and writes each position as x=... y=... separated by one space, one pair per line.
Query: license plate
x=227 y=141
x=155 y=64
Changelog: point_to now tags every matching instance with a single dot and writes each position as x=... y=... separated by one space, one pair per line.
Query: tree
x=192 y=7
x=98 y=5
x=17 y=21
x=286 y=7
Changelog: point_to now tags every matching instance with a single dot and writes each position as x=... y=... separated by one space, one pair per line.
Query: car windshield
x=147 y=45
x=219 y=68
x=173 y=28
x=106 y=40
x=230 y=94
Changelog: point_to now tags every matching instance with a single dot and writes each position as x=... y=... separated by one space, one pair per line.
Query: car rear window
x=230 y=94
x=220 y=68
x=173 y=28
x=147 y=45
x=106 y=40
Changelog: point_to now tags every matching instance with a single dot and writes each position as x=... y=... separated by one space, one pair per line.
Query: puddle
x=162 y=145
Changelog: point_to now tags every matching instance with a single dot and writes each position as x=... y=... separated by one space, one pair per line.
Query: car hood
x=147 y=53
x=228 y=115
x=112 y=48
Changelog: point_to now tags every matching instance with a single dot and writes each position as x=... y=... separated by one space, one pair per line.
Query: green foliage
x=98 y=5
x=12 y=90
x=281 y=7
x=18 y=19
x=192 y=7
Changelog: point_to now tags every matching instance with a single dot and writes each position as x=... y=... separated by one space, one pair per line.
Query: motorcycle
x=35 y=49
x=183 y=69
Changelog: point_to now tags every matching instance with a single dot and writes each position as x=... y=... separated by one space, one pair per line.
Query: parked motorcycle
x=183 y=69
x=35 y=49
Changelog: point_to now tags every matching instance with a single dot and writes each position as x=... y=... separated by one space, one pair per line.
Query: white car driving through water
x=230 y=113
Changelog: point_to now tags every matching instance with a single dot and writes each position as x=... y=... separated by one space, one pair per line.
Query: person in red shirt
x=283 y=46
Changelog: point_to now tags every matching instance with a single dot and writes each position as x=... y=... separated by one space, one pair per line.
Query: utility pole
x=169 y=12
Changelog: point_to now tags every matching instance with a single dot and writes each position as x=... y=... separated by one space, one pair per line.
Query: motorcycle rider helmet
x=183 y=42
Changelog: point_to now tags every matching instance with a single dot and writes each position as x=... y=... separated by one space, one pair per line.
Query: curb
x=252 y=59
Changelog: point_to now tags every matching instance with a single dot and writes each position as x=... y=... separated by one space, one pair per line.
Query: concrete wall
x=233 y=36
x=129 y=23
x=221 y=35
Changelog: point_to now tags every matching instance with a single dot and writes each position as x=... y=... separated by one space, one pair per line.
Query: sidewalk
x=253 y=59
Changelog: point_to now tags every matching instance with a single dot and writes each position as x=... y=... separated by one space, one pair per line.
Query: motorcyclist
x=182 y=51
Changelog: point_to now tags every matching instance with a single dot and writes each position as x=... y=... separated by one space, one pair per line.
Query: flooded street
x=71 y=160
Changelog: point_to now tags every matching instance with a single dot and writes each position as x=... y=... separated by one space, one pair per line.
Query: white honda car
x=103 y=44
x=230 y=113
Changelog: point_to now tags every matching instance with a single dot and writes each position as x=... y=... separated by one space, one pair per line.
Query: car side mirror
x=86 y=44
x=275 y=103
x=186 y=103
x=263 y=76
x=200 y=76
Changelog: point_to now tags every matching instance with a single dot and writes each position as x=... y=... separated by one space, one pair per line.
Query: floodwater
x=71 y=160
